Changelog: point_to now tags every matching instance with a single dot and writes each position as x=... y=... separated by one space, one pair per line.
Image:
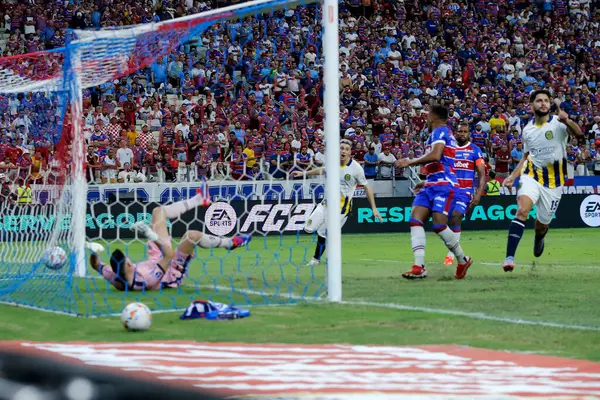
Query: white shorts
x=318 y=221
x=546 y=200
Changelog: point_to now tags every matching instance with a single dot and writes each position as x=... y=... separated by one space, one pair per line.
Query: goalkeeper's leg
x=157 y=231
x=191 y=239
x=185 y=252
x=158 y=234
x=178 y=208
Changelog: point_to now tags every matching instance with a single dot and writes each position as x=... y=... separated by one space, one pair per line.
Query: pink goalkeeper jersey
x=149 y=275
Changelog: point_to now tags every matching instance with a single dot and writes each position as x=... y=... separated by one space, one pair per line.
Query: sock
x=515 y=232
x=320 y=249
x=176 y=209
x=211 y=242
x=451 y=242
x=417 y=240
x=456 y=230
x=539 y=236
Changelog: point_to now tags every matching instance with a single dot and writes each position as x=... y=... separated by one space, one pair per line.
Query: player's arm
x=434 y=155
x=312 y=172
x=517 y=172
x=95 y=262
x=508 y=182
x=371 y=198
x=480 y=168
x=572 y=127
x=95 y=248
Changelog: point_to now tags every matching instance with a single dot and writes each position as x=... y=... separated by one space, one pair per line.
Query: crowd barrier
x=308 y=189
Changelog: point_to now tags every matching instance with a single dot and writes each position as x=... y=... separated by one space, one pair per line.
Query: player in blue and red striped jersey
x=436 y=199
x=467 y=161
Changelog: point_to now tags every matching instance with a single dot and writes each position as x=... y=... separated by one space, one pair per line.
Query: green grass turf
x=560 y=287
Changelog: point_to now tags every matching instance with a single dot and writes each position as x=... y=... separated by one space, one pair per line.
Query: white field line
x=518 y=321
x=497 y=264
x=494 y=264
x=472 y=315
x=19 y=305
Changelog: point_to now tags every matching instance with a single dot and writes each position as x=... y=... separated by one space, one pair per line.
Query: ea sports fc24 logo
x=220 y=218
x=589 y=210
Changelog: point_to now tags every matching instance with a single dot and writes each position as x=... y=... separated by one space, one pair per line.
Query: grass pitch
x=555 y=297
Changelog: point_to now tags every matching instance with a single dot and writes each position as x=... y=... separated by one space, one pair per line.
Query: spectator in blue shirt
x=517 y=155
x=240 y=134
x=159 y=72
x=279 y=164
x=370 y=165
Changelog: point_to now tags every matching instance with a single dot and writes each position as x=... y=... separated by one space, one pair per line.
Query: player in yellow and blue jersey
x=351 y=175
x=542 y=172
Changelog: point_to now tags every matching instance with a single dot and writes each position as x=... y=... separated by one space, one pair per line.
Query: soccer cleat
x=538 y=247
x=509 y=264
x=449 y=260
x=144 y=230
x=240 y=240
x=416 y=272
x=205 y=200
x=461 y=269
x=313 y=263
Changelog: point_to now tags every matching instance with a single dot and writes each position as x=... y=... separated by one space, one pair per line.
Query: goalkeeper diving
x=351 y=175
x=165 y=267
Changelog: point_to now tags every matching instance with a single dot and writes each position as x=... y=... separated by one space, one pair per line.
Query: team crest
x=347 y=177
x=549 y=135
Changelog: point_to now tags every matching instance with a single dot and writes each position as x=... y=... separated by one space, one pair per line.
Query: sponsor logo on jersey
x=347 y=177
x=220 y=218
x=549 y=135
x=461 y=164
x=590 y=210
x=542 y=151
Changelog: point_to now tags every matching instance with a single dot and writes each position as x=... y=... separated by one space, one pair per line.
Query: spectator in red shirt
x=503 y=160
x=169 y=168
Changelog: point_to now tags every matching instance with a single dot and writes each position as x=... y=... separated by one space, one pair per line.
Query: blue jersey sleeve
x=439 y=135
x=477 y=153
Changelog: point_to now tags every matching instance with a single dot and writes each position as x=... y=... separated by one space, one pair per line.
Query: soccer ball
x=55 y=258
x=136 y=317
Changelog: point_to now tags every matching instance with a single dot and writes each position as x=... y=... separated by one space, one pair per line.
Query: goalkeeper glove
x=94 y=247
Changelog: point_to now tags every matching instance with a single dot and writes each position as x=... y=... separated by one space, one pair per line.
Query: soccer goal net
x=120 y=121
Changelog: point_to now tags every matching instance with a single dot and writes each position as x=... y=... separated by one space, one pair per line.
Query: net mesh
x=261 y=201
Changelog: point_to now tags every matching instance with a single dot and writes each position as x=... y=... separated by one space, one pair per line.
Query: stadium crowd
x=245 y=99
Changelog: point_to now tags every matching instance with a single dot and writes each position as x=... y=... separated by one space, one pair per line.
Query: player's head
x=345 y=150
x=462 y=134
x=541 y=101
x=438 y=115
x=121 y=266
